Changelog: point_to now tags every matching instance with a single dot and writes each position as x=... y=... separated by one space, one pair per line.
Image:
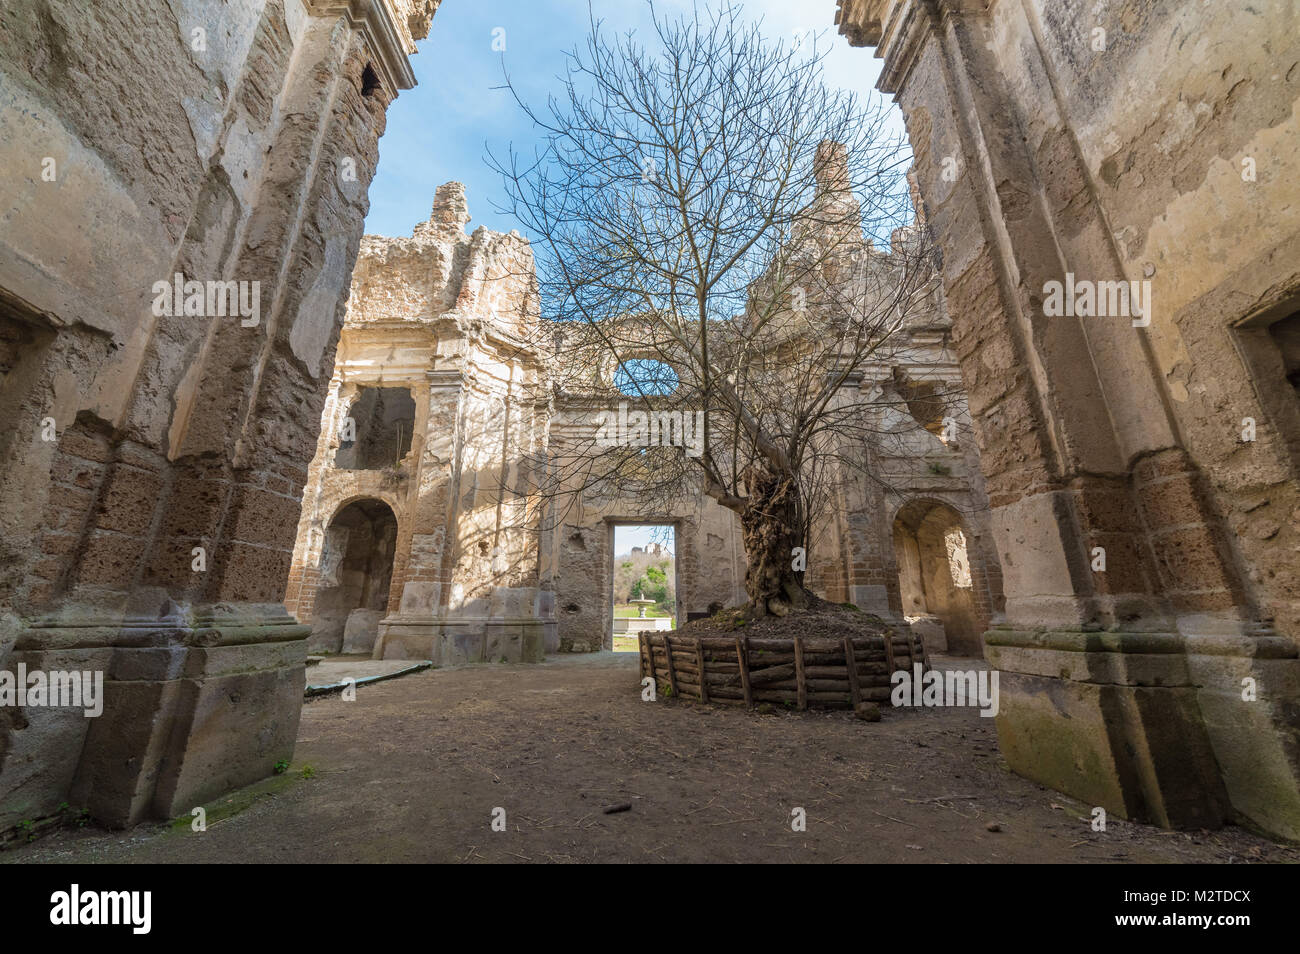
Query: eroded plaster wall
x=1136 y=142
x=154 y=462
x=438 y=313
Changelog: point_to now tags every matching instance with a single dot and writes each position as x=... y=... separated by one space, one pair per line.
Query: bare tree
x=704 y=214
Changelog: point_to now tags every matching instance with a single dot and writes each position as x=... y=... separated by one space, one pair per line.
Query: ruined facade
x=481 y=569
x=478 y=573
x=1140 y=465
x=429 y=422
x=1140 y=446
x=184 y=196
x=908 y=537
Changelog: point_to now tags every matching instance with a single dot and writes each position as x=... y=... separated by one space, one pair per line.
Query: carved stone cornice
x=896 y=28
x=860 y=20
x=377 y=22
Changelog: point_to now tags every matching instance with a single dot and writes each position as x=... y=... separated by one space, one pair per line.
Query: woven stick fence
x=817 y=671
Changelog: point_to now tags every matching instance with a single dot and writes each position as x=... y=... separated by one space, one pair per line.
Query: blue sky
x=438 y=130
x=625 y=538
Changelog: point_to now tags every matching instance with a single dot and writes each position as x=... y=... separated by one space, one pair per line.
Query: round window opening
x=645 y=376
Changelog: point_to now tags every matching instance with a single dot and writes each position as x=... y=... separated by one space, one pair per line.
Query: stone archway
x=934 y=555
x=356 y=571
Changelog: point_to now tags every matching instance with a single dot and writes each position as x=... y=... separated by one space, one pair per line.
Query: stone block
x=1138 y=750
x=361 y=630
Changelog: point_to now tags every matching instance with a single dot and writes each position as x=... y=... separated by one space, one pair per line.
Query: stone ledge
x=194 y=703
x=1154 y=726
x=220 y=625
x=1266 y=646
x=465 y=639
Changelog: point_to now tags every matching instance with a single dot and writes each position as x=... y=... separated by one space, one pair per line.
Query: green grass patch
x=232 y=803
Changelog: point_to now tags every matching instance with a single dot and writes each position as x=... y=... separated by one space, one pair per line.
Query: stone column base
x=1153 y=726
x=194 y=705
x=466 y=639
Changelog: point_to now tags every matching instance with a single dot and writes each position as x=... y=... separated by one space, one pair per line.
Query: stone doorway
x=356 y=572
x=933 y=553
x=645 y=569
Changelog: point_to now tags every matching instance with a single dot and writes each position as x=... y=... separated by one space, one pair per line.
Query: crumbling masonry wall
x=154 y=461
x=1143 y=142
x=853 y=555
x=439 y=314
x=486 y=566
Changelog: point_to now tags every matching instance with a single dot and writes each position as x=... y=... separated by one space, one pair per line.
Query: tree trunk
x=770 y=525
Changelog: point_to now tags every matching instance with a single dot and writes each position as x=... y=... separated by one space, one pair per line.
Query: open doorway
x=935 y=581
x=644 y=582
x=356 y=570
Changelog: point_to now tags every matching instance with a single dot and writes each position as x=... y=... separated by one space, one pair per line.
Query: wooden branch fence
x=817 y=671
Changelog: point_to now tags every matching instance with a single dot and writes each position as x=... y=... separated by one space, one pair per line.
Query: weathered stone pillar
x=1134 y=635
x=425 y=592
x=162 y=536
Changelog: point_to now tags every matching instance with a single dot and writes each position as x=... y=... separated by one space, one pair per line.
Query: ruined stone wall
x=850 y=558
x=1202 y=204
x=1108 y=177
x=482 y=556
x=578 y=545
x=854 y=555
x=438 y=314
x=224 y=143
x=1136 y=142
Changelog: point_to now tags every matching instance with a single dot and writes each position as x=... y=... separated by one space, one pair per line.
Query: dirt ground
x=413 y=769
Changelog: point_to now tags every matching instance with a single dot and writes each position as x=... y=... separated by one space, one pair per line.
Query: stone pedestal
x=1153 y=726
x=451 y=642
x=194 y=705
x=361 y=631
x=641 y=624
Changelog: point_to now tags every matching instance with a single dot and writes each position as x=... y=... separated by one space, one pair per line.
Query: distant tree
x=654 y=584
